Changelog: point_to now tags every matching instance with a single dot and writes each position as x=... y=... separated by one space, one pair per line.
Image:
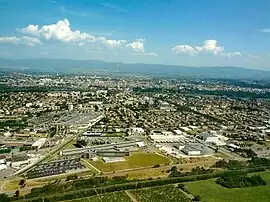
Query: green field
x=212 y=192
x=159 y=194
x=110 y=197
x=136 y=160
x=264 y=175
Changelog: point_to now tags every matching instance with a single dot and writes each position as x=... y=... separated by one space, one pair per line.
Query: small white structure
x=185 y=129
x=3 y=164
x=70 y=107
x=178 y=132
x=39 y=143
x=140 y=144
x=137 y=130
x=28 y=104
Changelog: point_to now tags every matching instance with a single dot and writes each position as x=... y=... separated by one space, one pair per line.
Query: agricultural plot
x=209 y=191
x=159 y=194
x=110 y=197
x=136 y=160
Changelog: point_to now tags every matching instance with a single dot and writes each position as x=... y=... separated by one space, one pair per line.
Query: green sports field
x=136 y=160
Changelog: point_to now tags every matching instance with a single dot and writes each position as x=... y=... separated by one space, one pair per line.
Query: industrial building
x=193 y=149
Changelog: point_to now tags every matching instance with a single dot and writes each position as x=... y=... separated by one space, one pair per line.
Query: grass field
x=159 y=194
x=110 y=197
x=212 y=192
x=136 y=160
x=264 y=175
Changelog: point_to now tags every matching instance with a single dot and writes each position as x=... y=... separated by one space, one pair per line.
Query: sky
x=179 y=32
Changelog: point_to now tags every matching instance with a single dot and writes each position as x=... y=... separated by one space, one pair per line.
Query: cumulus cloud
x=209 y=46
x=61 y=31
x=186 y=49
x=24 y=40
x=137 y=45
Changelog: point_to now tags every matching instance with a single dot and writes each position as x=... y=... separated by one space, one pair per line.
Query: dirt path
x=131 y=196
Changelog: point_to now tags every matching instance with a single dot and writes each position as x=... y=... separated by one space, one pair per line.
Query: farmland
x=163 y=193
x=111 y=197
x=136 y=160
x=212 y=192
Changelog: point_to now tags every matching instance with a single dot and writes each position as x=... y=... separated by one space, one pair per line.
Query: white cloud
x=265 y=30
x=186 y=49
x=230 y=55
x=30 y=29
x=209 y=46
x=9 y=40
x=253 y=56
x=30 y=41
x=60 y=31
x=137 y=45
x=24 y=40
x=114 y=43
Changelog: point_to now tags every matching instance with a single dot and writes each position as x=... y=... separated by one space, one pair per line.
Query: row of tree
x=239 y=180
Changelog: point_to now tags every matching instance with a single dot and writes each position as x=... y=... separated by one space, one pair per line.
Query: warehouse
x=193 y=149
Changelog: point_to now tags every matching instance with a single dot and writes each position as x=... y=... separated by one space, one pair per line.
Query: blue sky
x=181 y=32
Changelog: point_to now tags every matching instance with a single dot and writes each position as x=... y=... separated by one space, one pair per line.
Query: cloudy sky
x=182 y=32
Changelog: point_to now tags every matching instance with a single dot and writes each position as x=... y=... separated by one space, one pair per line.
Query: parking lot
x=55 y=168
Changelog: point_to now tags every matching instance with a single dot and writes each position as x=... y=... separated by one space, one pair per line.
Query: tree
x=197 y=198
x=22 y=183
x=4 y=198
x=17 y=193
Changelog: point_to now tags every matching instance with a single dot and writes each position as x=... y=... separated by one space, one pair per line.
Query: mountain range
x=101 y=67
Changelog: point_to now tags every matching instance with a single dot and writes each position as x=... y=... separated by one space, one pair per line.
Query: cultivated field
x=166 y=193
x=110 y=197
x=136 y=160
x=212 y=192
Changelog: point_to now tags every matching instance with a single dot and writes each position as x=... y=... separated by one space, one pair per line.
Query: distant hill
x=94 y=66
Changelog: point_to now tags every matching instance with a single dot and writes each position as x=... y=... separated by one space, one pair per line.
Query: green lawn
x=160 y=194
x=136 y=160
x=212 y=192
x=110 y=197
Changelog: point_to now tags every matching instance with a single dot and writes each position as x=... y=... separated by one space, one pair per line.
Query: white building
x=193 y=149
x=212 y=138
x=39 y=143
x=166 y=138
